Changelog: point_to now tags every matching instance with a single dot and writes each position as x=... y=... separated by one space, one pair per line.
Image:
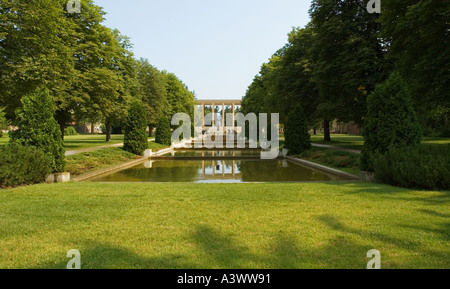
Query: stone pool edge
x=329 y=170
x=92 y=175
x=107 y=171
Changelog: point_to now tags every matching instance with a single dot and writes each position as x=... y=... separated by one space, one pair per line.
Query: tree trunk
x=62 y=126
x=315 y=131
x=150 y=130
x=92 y=128
x=108 y=130
x=326 y=130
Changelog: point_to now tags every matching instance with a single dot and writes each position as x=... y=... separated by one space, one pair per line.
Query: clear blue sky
x=215 y=47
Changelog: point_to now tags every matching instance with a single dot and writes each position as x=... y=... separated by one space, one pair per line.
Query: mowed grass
x=4 y=139
x=156 y=146
x=436 y=141
x=357 y=142
x=223 y=226
x=83 y=141
x=345 y=161
x=87 y=162
x=96 y=160
x=341 y=140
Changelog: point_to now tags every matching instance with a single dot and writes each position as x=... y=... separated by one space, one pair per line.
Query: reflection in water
x=218 y=171
x=215 y=153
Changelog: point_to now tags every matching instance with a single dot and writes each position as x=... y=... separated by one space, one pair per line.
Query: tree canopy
x=89 y=69
x=334 y=63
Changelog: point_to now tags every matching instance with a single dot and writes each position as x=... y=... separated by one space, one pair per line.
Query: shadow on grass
x=394 y=193
x=216 y=250
x=435 y=214
x=335 y=224
x=415 y=247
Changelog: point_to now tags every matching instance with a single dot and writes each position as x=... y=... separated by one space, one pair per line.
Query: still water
x=218 y=171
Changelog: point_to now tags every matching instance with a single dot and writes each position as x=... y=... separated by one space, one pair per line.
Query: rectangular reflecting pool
x=218 y=171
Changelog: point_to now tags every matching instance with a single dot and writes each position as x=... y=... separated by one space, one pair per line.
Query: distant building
x=88 y=128
x=345 y=128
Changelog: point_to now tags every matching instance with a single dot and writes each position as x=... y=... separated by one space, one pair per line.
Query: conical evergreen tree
x=297 y=134
x=163 y=132
x=37 y=127
x=136 y=140
x=391 y=121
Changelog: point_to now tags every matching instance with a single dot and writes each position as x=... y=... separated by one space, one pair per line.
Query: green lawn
x=82 y=141
x=345 y=161
x=156 y=146
x=84 y=163
x=87 y=162
x=341 y=140
x=4 y=139
x=223 y=226
x=436 y=141
x=357 y=142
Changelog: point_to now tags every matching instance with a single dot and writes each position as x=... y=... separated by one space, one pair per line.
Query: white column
x=203 y=116
x=223 y=116
x=213 y=115
x=234 y=117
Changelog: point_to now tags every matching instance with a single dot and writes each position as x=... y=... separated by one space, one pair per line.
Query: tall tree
x=419 y=35
x=37 y=40
x=348 y=58
x=294 y=85
x=152 y=84
x=285 y=81
x=107 y=75
x=180 y=99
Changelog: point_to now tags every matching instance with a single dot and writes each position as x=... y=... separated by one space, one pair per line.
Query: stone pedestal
x=58 y=178
x=148 y=153
x=367 y=176
x=50 y=179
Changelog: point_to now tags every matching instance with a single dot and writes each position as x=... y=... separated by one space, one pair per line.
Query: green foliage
x=329 y=67
x=3 y=122
x=70 y=131
x=418 y=31
x=426 y=167
x=38 y=128
x=37 y=49
x=20 y=165
x=391 y=121
x=163 y=132
x=348 y=58
x=285 y=80
x=180 y=99
x=297 y=134
x=152 y=85
x=136 y=140
x=88 y=68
